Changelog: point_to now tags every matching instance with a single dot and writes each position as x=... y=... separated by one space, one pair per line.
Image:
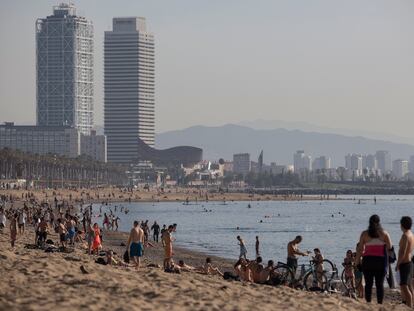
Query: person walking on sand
x=13 y=230
x=257 y=247
x=372 y=254
x=135 y=244
x=156 y=231
x=404 y=264
x=293 y=252
x=243 y=249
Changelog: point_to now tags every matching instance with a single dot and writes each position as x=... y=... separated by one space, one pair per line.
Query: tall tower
x=129 y=88
x=64 y=67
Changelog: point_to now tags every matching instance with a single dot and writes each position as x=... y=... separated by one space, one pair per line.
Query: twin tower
x=65 y=76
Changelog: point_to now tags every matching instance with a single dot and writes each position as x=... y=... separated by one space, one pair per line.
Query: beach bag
x=100 y=261
x=126 y=257
x=392 y=257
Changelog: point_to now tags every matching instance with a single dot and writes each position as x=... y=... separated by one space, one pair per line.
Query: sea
x=334 y=226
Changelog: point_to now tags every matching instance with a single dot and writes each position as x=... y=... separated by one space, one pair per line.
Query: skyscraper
x=383 y=161
x=64 y=52
x=129 y=88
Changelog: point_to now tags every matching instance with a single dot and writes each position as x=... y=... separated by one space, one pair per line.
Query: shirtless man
x=404 y=263
x=293 y=252
x=135 y=244
x=62 y=233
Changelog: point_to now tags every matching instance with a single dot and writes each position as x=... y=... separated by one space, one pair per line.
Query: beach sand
x=34 y=280
x=114 y=194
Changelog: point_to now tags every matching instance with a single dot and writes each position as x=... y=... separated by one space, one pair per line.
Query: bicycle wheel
x=348 y=283
x=314 y=281
x=285 y=274
x=329 y=269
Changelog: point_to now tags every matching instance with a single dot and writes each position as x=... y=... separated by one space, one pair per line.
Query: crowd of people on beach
x=74 y=223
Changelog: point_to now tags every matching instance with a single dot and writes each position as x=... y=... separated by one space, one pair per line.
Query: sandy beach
x=32 y=279
x=35 y=280
x=115 y=194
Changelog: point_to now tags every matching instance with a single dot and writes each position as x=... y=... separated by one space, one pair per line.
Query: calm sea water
x=333 y=226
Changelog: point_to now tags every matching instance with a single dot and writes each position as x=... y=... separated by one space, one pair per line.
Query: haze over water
x=215 y=232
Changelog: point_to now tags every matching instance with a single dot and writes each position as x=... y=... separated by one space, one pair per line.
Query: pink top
x=375 y=247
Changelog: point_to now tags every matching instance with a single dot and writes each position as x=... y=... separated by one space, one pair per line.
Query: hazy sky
x=346 y=63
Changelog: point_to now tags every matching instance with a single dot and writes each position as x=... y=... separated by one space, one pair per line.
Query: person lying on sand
x=184 y=267
x=208 y=268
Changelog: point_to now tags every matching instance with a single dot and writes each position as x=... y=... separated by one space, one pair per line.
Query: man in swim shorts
x=404 y=264
x=168 y=247
x=293 y=253
x=135 y=244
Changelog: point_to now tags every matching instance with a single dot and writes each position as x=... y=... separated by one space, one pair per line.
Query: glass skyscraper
x=64 y=52
x=129 y=88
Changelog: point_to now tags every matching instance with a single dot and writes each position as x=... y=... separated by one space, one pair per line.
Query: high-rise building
x=411 y=164
x=383 y=160
x=241 y=163
x=301 y=161
x=64 y=69
x=400 y=168
x=370 y=162
x=353 y=162
x=321 y=163
x=128 y=88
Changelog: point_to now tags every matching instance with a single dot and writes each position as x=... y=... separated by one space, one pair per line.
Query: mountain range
x=278 y=144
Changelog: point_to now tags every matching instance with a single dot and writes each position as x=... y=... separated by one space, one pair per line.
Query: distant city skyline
x=332 y=63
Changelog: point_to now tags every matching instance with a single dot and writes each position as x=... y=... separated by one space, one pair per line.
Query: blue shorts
x=71 y=233
x=135 y=250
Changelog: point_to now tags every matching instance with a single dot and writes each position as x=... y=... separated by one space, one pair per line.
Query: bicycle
x=309 y=278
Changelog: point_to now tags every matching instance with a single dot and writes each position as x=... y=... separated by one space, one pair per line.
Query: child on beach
x=349 y=264
x=243 y=250
x=318 y=260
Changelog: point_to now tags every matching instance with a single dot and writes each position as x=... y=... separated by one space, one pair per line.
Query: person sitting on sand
x=256 y=267
x=135 y=244
x=293 y=252
x=241 y=267
x=208 y=268
x=268 y=275
x=243 y=250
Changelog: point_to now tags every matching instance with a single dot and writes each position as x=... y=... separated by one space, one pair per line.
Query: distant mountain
x=262 y=124
x=278 y=144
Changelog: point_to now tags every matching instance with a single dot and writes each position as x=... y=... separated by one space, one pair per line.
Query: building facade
x=60 y=140
x=241 y=163
x=94 y=146
x=128 y=88
x=302 y=162
x=64 y=69
x=321 y=163
x=383 y=160
x=400 y=168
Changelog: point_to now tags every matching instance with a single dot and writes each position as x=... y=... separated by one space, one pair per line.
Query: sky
x=346 y=64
